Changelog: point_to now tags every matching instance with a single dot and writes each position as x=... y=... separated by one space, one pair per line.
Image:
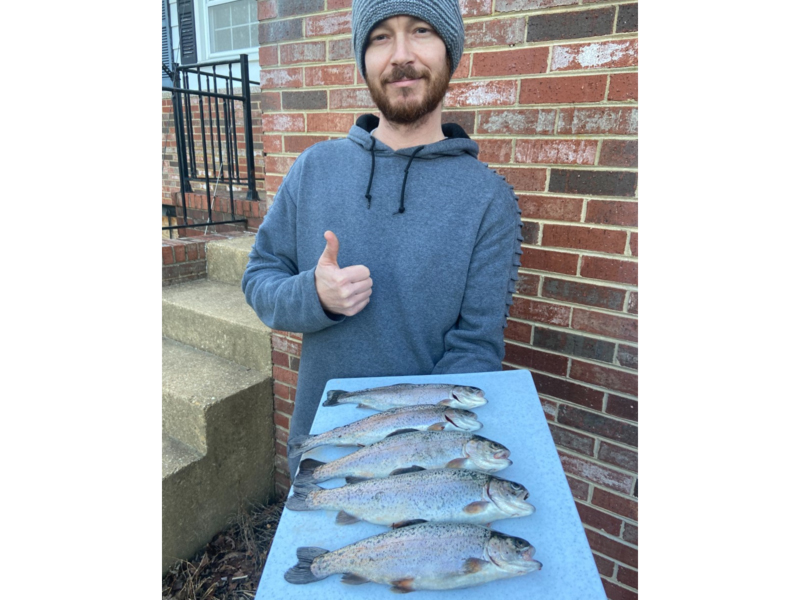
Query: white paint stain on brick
x=277 y=78
x=619 y=121
x=594 y=56
x=330 y=25
x=281 y=122
x=542 y=121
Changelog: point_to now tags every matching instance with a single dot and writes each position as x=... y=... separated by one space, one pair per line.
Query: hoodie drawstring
x=405 y=177
x=367 y=195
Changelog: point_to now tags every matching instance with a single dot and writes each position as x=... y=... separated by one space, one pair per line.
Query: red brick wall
x=548 y=88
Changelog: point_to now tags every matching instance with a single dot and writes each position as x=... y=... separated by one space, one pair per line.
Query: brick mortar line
x=595 y=435
x=574 y=224
x=621 y=541
x=600 y=485
x=629 y=287
x=572 y=357
x=592 y=386
x=563 y=329
x=593 y=253
x=624 y=519
x=596 y=438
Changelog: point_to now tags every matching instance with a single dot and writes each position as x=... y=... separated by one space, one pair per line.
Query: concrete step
x=217 y=447
x=176 y=455
x=214 y=317
x=227 y=259
x=194 y=385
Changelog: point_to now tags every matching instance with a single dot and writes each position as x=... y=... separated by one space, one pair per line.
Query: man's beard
x=404 y=112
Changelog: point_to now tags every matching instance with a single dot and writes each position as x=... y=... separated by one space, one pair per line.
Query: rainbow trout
x=437 y=495
x=376 y=427
x=407 y=394
x=430 y=556
x=416 y=449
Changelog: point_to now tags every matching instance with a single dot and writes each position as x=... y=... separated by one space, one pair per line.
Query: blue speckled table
x=512 y=416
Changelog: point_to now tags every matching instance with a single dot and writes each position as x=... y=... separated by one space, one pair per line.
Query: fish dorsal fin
x=401 y=431
x=344 y=518
x=353 y=579
x=474 y=508
x=400 y=524
x=412 y=469
x=402 y=586
x=473 y=565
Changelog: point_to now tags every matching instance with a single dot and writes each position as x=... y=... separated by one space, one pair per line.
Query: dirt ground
x=229 y=568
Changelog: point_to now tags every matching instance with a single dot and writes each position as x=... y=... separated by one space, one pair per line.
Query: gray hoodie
x=440 y=234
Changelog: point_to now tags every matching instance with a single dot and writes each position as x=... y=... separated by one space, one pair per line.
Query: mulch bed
x=229 y=567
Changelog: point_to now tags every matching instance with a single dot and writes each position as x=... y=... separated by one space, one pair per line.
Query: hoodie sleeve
x=475 y=343
x=282 y=296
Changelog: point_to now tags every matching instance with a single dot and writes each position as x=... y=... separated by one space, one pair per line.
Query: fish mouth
x=503 y=454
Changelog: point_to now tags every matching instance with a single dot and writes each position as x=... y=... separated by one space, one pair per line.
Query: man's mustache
x=404 y=72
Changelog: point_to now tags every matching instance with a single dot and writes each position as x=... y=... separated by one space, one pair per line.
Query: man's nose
x=402 y=52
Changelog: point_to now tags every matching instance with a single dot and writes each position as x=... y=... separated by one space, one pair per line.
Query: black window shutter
x=166 y=43
x=186 y=28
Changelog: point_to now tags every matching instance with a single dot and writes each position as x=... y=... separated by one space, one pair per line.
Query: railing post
x=252 y=194
x=180 y=142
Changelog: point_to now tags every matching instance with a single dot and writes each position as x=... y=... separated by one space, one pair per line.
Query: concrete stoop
x=217 y=405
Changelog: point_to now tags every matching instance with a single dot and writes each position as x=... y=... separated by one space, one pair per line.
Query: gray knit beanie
x=443 y=15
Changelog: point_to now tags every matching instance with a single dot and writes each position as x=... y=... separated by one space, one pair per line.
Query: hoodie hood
x=456 y=143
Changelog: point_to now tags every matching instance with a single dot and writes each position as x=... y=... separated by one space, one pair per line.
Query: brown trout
x=376 y=427
x=437 y=495
x=407 y=394
x=429 y=556
x=416 y=449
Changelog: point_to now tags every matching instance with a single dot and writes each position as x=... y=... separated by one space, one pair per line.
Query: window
x=232 y=25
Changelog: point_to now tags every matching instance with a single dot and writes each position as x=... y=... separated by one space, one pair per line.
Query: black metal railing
x=204 y=105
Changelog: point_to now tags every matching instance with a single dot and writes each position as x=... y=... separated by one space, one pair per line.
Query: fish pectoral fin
x=344 y=518
x=354 y=479
x=474 y=508
x=473 y=565
x=402 y=586
x=412 y=469
x=365 y=406
x=400 y=524
x=457 y=463
x=353 y=579
x=437 y=427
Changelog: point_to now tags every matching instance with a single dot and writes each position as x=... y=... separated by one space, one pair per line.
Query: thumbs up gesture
x=341 y=291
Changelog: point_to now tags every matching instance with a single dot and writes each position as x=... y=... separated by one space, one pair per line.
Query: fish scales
x=406 y=394
x=429 y=556
x=441 y=495
x=378 y=426
x=402 y=552
x=426 y=449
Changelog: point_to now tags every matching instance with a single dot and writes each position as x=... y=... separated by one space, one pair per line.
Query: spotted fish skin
x=378 y=426
x=440 y=495
x=408 y=394
x=428 y=556
x=425 y=449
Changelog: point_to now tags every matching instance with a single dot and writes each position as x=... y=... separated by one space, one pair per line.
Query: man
x=394 y=250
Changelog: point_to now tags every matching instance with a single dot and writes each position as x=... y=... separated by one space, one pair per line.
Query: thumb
x=331 y=252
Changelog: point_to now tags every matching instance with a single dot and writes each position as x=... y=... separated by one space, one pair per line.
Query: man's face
x=407 y=69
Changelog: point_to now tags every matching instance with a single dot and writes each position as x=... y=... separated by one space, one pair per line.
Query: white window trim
x=201 y=11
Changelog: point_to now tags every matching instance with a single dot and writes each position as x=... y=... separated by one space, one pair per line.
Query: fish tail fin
x=333 y=398
x=299 y=444
x=299 y=499
x=305 y=474
x=301 y=572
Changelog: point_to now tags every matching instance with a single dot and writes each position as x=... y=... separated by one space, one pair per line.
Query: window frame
x=252 y=52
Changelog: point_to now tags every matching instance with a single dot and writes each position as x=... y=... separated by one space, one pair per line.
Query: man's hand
x=341 y=291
